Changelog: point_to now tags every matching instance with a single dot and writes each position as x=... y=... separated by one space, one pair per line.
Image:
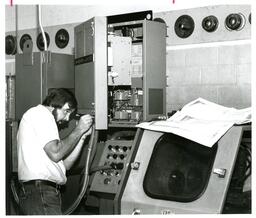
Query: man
x=43 y=157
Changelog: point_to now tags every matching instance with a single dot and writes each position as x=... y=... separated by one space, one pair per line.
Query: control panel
x=112 y=166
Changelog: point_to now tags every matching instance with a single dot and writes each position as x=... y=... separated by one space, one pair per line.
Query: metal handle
x=220 y=172
x=136 y=211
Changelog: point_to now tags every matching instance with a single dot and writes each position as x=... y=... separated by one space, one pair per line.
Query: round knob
x=234 y=22
x=107 y=181
x=40 y=41
x=10 y=45
x=62 y=38
x=210 y=23
x=23 y=39
x=184 y=26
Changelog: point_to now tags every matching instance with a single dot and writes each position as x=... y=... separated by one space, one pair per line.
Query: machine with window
x=170 y=174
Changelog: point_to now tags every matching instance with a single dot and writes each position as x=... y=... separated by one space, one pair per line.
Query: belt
x=42 y=182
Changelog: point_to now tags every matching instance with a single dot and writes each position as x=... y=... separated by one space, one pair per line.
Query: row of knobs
x=117 y=148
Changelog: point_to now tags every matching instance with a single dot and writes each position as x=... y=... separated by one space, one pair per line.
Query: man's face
x=62 y=115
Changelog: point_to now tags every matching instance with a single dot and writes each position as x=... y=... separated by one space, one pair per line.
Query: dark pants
x=40 y=199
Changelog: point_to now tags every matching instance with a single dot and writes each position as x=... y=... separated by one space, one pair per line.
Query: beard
x=61 y=124
x=54 y=113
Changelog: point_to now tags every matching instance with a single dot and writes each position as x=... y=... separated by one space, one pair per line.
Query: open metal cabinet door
x=91 y=69
x=154 y=69
x=137 y=199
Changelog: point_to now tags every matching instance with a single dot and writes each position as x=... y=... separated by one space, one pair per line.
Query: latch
x=93 y=30
x=220 y=172
x=136 y=211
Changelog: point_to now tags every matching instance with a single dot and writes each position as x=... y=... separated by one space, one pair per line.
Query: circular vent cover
x=62 y=38
x=184 y=26
x=23 y=39
x=235 y=22
x=40 y=41
x=160 y=20
x=210 y=23
x=10 y=45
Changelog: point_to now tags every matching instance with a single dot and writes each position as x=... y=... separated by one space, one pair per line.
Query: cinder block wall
x=220 y=74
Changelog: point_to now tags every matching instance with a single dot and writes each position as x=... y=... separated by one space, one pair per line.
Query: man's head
x=63 y=103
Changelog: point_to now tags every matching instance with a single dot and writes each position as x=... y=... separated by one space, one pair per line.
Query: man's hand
x=89 y=132
x=85 y=123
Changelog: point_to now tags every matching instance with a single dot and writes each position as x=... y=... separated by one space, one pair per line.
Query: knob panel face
x=10 y=45
x=234 y=22
x=184 y=26
x=210 y=23
x=62 y=38
x=23 y=39
x=40 y=41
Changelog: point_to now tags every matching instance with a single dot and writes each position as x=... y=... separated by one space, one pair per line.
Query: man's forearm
x=58 y=150
x=69 y=143
x=72 y=157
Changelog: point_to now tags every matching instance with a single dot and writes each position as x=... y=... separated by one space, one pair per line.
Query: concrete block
x=243 y=54
x=202 y=56
x=226 y=54
x=221 y=74
x=173 y=95
x=9 y=12
x=175 y=58
x=9 y=25
x=28 y=10
x=243 y=72
x=235 y=96
x=179 y=76
x=185 y=94
x=27 y=22
x=234 y=54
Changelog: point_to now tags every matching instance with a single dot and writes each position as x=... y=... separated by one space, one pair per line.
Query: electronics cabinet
x=120 y=70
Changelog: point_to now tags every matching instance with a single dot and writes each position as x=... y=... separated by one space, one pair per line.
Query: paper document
x=201 y=121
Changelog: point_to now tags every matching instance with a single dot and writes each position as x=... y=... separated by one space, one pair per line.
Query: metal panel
x=91 y=73
x=84 y=87
x=211 y=201
x=154 y=65
x=121 y=60
x=101 y=89
x=28 y=83
x=60 y=71
x=84 y=37
x=45 y=70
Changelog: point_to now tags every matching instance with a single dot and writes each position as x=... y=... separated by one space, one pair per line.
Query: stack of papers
x=201 y=121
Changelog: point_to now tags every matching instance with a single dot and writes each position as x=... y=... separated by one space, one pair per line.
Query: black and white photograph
x=127 y=108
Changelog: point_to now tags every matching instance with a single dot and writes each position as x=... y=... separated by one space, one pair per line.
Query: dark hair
x=58 y=97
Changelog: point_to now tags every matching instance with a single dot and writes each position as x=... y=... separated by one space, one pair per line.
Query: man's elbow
x=52 y=149
x=55 y=157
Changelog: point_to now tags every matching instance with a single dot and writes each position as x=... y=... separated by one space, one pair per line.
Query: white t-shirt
x=37 y=128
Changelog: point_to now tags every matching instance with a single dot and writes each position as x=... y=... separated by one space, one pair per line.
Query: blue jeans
x=40 y=199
